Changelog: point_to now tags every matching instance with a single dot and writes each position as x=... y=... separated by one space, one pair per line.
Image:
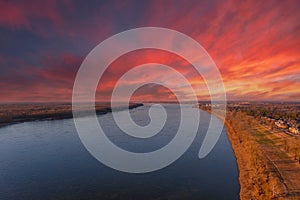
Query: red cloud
x=256 y=46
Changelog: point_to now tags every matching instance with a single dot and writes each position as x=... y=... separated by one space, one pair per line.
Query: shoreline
x=262 y=171
x=237 y=158
x=242 y=155
x=44 y=112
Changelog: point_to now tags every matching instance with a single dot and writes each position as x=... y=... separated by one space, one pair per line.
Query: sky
x=255 y=45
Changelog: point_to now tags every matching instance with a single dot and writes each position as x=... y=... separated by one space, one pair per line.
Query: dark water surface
x=46 y=160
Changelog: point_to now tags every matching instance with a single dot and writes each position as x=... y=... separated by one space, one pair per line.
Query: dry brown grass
x=268 y=162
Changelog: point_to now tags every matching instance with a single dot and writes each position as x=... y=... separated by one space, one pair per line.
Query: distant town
x=279 y=116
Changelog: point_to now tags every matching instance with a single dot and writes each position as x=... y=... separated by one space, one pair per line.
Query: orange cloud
x=255 y=44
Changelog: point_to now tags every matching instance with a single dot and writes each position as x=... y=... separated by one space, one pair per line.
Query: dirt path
x=286 y=165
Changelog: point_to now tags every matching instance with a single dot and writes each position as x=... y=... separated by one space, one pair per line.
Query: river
x=46 y=160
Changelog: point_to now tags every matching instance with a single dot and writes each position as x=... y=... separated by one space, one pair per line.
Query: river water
x=46 y=160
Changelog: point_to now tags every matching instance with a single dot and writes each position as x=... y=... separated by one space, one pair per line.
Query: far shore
x=14 y=113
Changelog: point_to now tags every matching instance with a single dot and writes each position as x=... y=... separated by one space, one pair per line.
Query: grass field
x=268 y=160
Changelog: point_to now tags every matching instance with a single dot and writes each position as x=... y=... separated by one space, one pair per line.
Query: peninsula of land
x=12 y=113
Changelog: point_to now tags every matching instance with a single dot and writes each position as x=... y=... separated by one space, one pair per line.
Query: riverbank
x=25 y=112
x=265 y=170
x=256 y=177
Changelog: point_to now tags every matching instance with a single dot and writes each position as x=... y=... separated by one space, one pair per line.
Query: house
x=294 y=130
x=280 y=124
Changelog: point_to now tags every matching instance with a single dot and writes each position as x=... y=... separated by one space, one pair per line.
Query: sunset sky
x=255 y=44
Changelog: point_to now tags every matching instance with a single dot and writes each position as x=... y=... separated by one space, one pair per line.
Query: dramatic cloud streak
x=255 y=44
